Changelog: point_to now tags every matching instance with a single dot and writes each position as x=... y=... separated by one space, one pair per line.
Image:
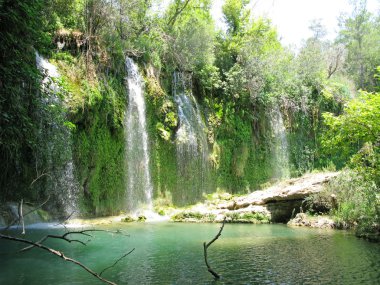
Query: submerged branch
x=205 y=247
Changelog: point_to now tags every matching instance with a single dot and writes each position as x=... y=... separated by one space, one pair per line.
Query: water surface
x=171 y=253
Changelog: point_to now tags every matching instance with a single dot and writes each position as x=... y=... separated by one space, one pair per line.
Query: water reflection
x=168 y=253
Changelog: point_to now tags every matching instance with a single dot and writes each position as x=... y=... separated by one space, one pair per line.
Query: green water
x=170 y=253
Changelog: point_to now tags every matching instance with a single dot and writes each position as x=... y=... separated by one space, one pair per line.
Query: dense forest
x=243 y=80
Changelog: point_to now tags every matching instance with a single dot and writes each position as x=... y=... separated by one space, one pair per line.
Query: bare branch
x=38 y=207
x=205 y=247
x=62 y=223
x=100 y=274
x=31 y=211
x=39 y=176
x=59 y=254
x=52 y=236
x=21 y=216
x=64 y=237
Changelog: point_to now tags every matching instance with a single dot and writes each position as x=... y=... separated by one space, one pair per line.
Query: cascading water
x=280 y=149
x=55 y=147
x=139 y=185
x=191 y=143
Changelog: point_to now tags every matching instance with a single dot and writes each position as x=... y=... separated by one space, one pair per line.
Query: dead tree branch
x=57 y=253
x=21 y=216
x=65 y=219
x=124 y=255
x=40 y=176
x=206 y=246
x=31 y=211
x=65 y=237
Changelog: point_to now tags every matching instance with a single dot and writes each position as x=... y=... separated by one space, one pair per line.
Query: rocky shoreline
x=276 y=204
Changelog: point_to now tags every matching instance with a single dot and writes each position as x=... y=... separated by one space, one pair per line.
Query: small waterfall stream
x=139 y=186
x=280 y=150
x=191 y=143
x=56 y=143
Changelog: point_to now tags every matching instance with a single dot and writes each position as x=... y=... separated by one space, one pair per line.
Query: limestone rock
x=277 y=203
x=293 y=189
x=321 y=222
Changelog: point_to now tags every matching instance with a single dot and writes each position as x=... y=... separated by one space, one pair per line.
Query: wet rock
x=304 y=220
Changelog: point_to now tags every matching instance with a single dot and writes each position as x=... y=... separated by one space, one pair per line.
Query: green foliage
x=163 y=154
x=190 y=216
x=248 y=217
x=24 y=115
x=359 y=124
x=235 y=15
x=100 y=164
x=358 y=202
x=63 y=14
x=239 y=77
x=191 y=29
x=360 y=34
x=96 y=110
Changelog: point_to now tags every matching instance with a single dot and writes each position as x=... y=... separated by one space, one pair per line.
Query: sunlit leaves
x=359 y=124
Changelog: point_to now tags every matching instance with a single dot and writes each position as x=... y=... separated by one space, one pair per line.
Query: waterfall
x=55 y=143
x=139 y=185
x=191 y=144
x=280 y=157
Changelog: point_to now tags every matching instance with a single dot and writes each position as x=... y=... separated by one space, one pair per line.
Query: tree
x=235 y=15
x=360 y=34
x=21 y=31
x=319 y=31
x=190 y=34
x=355 y=133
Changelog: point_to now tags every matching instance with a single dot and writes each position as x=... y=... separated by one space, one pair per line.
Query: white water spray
x=191 y=143
x=280 y=145
x=56 y=141
x=139 y=185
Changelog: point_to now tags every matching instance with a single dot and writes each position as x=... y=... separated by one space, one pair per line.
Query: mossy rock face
x=45 y=216
x=247 y=217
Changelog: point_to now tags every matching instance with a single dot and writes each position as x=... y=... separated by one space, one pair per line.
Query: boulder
x=283 y=199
